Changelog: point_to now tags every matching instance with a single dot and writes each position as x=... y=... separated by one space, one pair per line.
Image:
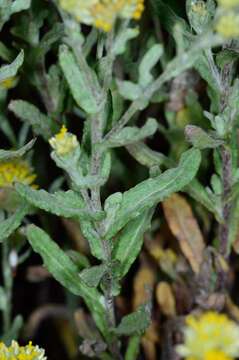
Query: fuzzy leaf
x=185 y=228
x=121 y=40
x=13 y=332
x=68 y=204
x=19 y=5
x=92 y=276
x=129 y=135
x=93 y=238
x=78 y=82
x=8 y=226
x=200 y=139
x=149 y=192
x=149 y=60
x=9 y=71
x=66 y=272
x=13 y=154
x=130 y=241
x=128 y=90
x=135 y=323
x=41 y=124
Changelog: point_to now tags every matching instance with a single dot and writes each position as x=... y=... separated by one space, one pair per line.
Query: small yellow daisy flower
x=16 y=171
x=17 y=352
x=64 y=142
x=228 y=25
x=210 y=336
x=8 y=83
x=103 y=13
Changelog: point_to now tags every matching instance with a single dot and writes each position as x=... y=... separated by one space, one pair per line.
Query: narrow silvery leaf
x=66 y=272
x=3 y=299
x=13 y=332
x=68 y=204
x=8 y=226
x=149 y=60
x=149 y=192
x=130 y=241
x=121 y=40
x=146 y=156
x=200 y=139
x=41 y=124
x=13 y=154
x=9 y=71
x=129 y=135
x=80 y=86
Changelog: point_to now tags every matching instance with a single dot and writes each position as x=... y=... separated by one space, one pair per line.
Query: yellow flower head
x=103 y=13
x=17 y=352
x=228 y=25
x=211 y=336
x=64 y=142
x=16 y=171
x=228 y=3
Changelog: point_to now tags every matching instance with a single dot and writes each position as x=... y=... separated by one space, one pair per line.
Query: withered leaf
x=185 y=228
x=166 y=299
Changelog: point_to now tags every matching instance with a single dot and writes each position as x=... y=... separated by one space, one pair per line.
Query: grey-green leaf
x=13 y=154
x=66 y=272
x=130 y=241
x=8 y=226
x=200 y=139
x=149 y=192
x=129 y=135
x=149 y=60
x=8 y=71
x=41 y=124
x=68 y=204
x=128 y=90
x=92 y=276
x=121 y=40
x=19 y=5
x=135 y=323
x=80 y=86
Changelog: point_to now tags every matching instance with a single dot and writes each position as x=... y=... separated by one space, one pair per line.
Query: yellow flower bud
x=16 y=171
x=64 y=142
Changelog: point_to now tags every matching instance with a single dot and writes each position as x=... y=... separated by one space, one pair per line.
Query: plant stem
x=8 y=283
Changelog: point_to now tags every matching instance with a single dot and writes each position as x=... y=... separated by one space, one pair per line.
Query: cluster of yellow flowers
x=64 y=142
x=103 y=13
x=228 y=22
x=17 y=352
x=210 y=336
x=16 y=171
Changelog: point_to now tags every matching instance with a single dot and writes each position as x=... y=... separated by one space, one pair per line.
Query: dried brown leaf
x=165 y=298
x=185 y=228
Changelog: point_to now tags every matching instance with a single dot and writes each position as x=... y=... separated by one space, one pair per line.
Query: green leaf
x=9 y=71
x=85 y=96
x=13 y=154
x=128 y=90
x=133 y=348
x=93 y=238
x=200 y=139
x=8 y=226
x=145 y=156
x=78 y=259
x=92 y=276
x=121 y=40
x=41 y=124
x=3 y=299
x=66 y=272
x=68 y=204
x=130 y=241
x=19 y=5
x=14 y=331
x=149 y=60
x=135 y=323
x=129 y=135
x=149 y=192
